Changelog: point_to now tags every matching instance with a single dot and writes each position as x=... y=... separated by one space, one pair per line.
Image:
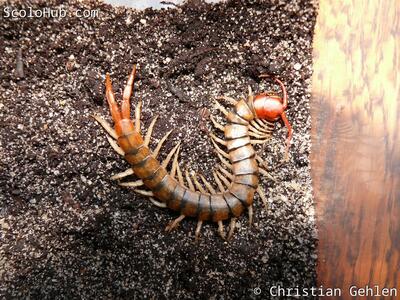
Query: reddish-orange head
x=271 y=107
x=268 y=106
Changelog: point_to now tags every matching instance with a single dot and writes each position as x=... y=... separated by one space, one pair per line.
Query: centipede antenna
x=175 y=162
x=217 y=139
x=180 y=177
x=189 y=181
x=106 y=126
x=207 y=184
x=260 y=191
x=216 y=124
x=169 y=156
x=157 y=203
x=138 y=112
x=232 y=227
x=122 y=174
x=197 y=183
x=221 y=108
x=160 y=143
x=221 y=229
x=250 y=209
x=219 y=150
x=289 y=137
x=115 y=146
x=145 y=193
x=198 y=229
x=172 y=225
x=150 y=131
x=132 y=183
x=219 y=183
x=228 y=100
x=226 y=173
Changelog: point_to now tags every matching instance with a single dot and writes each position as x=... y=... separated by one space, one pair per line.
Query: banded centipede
x=250 y=122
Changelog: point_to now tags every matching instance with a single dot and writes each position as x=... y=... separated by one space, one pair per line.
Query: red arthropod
x=271 y=107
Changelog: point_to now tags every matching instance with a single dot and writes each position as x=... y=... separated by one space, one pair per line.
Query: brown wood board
x=356 y=143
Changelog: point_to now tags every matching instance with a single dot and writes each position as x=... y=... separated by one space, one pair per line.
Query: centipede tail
x=237 y=185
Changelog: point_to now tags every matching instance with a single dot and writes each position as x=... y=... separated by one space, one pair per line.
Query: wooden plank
x=356 y=143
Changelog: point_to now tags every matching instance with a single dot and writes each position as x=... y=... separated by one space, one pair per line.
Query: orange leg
x=289 y=137
x=125 y=106
x=114 y=109
x=124 y=113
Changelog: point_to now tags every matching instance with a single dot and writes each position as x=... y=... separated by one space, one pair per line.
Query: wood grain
x=356 y=143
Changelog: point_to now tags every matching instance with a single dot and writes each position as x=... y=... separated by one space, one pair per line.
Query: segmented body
x=215 y=207
x=236 y=186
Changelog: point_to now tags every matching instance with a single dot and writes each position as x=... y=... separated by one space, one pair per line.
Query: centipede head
x=270 y=106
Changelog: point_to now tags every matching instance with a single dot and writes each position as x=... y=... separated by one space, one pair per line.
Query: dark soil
x=66 y=230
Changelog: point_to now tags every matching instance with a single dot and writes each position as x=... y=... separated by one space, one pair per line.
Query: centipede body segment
x=237 y=178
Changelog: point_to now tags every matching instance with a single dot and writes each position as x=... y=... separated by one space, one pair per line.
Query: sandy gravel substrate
x=66 y=230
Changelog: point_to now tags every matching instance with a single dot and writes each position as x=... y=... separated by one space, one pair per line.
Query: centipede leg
x=115 y=146
x=261 y=128
x=259 y=136
x=172 y=225
x=169 y=156
x=266 y=174
x=261 y=162
x=221 y=229
x=218 y=181
x=132 y=183
x=160 y=143
x=232 y=227
x=180 y=177
x=260 y=191
x=106 y=126
x=216 y=124
x=250 y=91
x=144 y=193
x=198 y=229
x=228 y=100
x=259 y=141
x=250 y=209
x=219 y=150
x=189 y=181
x=217 y=139
x=224 y=161
x=113 y=105
x=175 y=163
x=138 y=112
x=226 y=173
x=122 y=174
x=150 y=131
x=221 y=108
x=125 y=105
x=197 y=184
x=207 y=184
x=157 y=203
